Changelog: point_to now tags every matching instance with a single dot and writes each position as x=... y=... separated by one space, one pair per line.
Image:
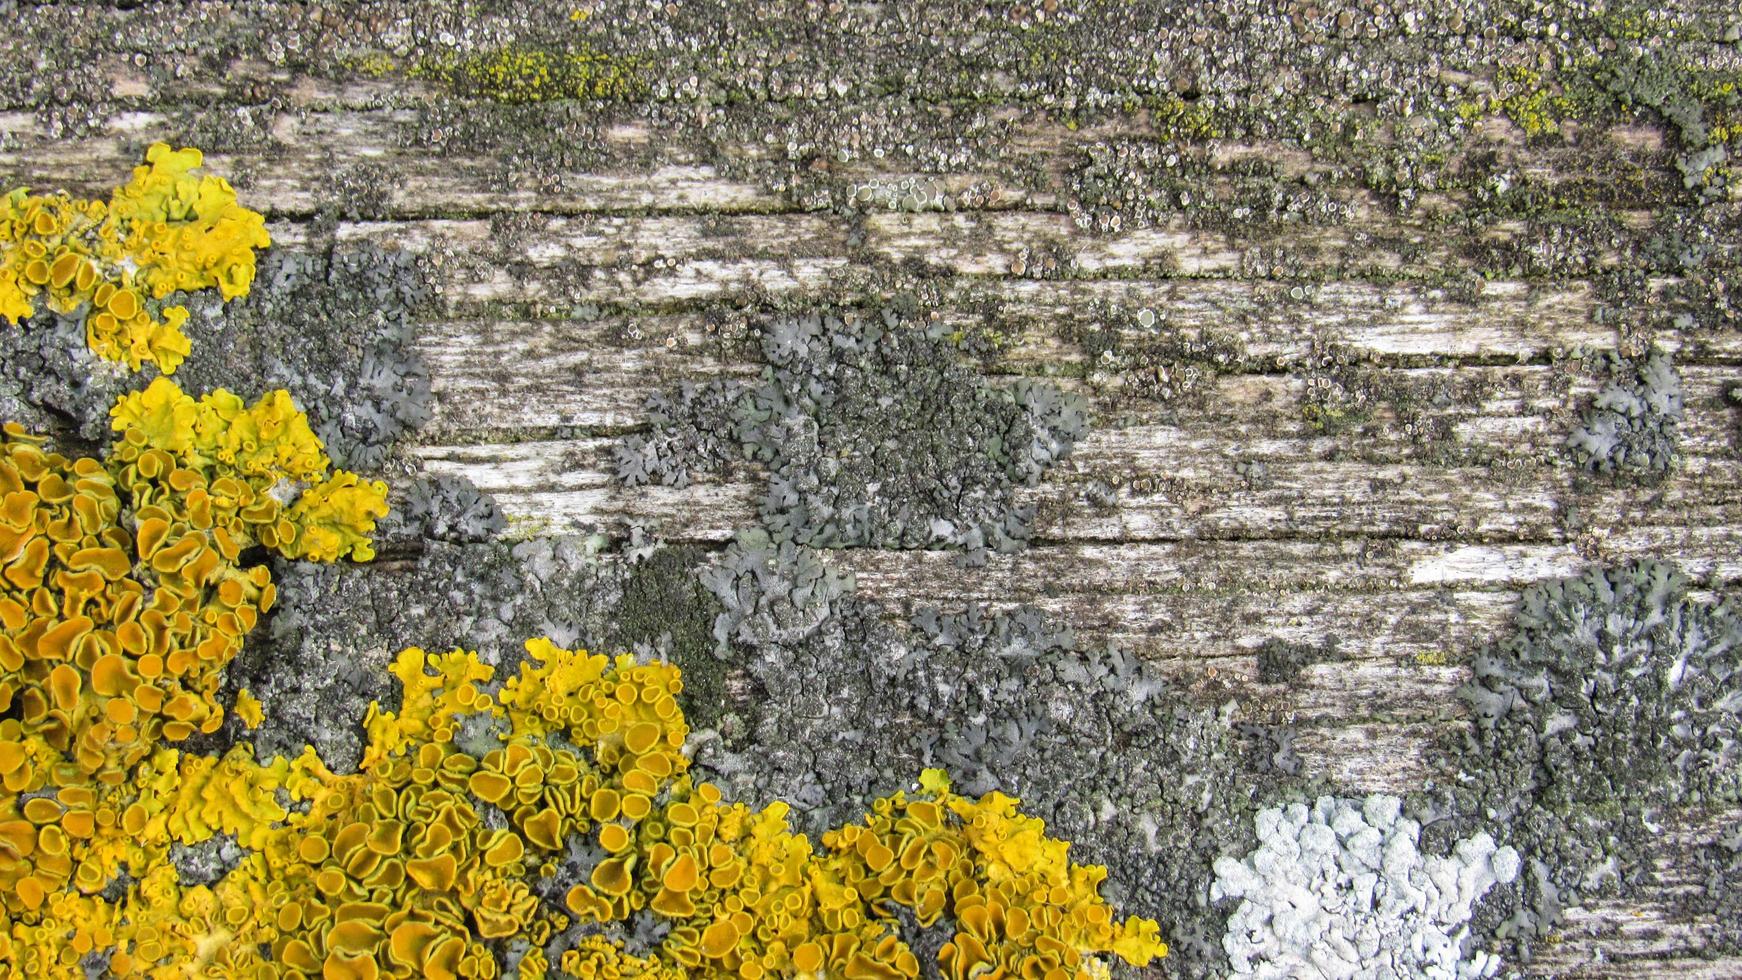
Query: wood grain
x=567 y=300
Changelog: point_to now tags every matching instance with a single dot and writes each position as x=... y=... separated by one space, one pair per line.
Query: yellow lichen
x=121 y=599
x=397 y=870
x=517 y=73
x=216 y=463
x=165 y=231
x=116 y=618
x=124 y=593
x=249 y=709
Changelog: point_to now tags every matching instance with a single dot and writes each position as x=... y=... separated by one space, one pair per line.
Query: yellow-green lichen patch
x=518 y=73
x=167 y=230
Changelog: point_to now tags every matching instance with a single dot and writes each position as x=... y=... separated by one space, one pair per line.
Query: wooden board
x=570 y=295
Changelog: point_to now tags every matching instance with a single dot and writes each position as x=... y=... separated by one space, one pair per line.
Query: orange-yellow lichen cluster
x=417 y=863
x=1021 y=908
x=122 y=596
x=112 y=631
x=166 y=230
x=215 y=464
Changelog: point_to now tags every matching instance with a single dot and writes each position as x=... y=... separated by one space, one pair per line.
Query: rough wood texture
x=577 y=283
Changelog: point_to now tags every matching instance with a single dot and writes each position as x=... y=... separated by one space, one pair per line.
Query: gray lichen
x=1280 y=661
x=96 y=964
x=1719 y=877
x=1616 y=700
x=51 y=382
x=207 y=861
x=872 y=434
x=1630 y=427
x=692 y=430
x=439 y=508
x=335 y=328
x=1270 y=748
x=772 y=593
x=839 y=700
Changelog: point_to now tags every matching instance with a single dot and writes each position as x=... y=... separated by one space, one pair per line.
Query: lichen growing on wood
x=125 y=591
x=1610 y=707
x=872 y=434
x=125 y=597
x=1629 y=429
x=520 y=73
x=472 y=794
x=1340 y=889
x=165 y=231
x=531 y=812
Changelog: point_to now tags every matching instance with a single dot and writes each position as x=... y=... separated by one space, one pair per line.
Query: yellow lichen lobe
x=249 y=709
x=166 y=230
x=225 y=461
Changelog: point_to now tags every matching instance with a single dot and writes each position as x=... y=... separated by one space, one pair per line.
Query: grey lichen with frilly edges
x=1630 y=428
x=872 y=433
x=1615 y=703
x=442 y=507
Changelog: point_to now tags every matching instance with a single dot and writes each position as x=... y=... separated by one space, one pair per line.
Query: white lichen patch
x=1341 y=890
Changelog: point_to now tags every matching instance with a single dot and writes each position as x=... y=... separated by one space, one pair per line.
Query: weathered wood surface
x=1407 y=562
x=1408 y=552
